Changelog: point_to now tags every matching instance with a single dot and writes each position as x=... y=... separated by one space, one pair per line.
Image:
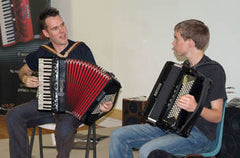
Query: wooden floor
x=3 y=129
x=117 y=114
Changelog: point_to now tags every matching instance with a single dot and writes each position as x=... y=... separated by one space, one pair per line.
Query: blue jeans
x=19 y=118
x=147 y=138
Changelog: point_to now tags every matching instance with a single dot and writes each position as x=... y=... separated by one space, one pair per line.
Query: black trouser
x=18 y=119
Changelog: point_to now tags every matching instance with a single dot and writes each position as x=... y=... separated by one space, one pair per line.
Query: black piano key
x=47 y=97
x=6 y=4
x=6 y=8
x=47 y=105
x=8 y=34
x=46 y=86
x=8 y=16
x=47 y=71
x=9 y=21
x=11 y=40
x=10 y=29
x=9 y=24
x=11 y=36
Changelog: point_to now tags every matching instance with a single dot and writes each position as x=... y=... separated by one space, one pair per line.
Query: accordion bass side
x=76 y=87
x=161 y=108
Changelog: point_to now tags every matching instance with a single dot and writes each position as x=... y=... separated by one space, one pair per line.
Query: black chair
x=91 y=137
x=33 y=125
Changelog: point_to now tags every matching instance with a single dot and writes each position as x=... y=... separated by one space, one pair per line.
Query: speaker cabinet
x=132 y=110
x=231 y=134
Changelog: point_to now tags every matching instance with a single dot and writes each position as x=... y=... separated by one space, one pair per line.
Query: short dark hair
x=195 y=30
x=47 y=12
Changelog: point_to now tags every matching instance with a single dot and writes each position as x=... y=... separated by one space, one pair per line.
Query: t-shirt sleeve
x=82 y=52
x=87 y=54
x=217 y=89
x=32 y=61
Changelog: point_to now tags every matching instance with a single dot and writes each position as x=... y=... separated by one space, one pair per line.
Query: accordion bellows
x=76 y=87
x=84 y=83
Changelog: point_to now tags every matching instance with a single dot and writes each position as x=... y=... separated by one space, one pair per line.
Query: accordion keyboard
x=44 y=90
x=7 y=22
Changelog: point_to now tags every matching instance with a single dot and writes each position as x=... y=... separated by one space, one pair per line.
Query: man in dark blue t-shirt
x=53 y=28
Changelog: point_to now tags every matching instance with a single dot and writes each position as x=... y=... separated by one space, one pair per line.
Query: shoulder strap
x=46 y=47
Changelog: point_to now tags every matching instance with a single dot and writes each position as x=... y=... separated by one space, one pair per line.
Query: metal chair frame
x=91 y=129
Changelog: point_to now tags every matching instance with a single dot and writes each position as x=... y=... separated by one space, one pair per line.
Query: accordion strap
x=48 y=48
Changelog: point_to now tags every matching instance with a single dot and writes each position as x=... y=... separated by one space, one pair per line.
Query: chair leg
x=94 y=141
x=31 y=141
x=88 y=142
x=89 y=139
x=40 y=142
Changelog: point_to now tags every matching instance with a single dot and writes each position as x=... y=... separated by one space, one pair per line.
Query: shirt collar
x=203 y=60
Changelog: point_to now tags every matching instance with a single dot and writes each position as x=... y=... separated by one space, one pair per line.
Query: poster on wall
x=19 y=36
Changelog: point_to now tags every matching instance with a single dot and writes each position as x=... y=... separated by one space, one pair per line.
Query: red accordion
x=15 y=22
x=76 y=87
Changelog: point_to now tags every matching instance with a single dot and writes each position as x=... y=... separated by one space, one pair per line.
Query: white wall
x=132 y=38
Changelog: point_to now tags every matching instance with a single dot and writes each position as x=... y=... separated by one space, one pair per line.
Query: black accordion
x=76 y=87
x=161 y=108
